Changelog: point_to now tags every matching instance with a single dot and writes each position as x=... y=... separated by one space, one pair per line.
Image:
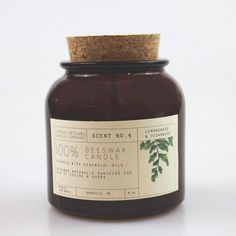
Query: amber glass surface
x=112 y=92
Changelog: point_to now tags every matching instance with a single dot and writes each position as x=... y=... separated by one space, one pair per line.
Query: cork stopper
x=107 y=48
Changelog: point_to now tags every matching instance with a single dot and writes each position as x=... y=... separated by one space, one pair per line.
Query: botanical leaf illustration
x=158 y=154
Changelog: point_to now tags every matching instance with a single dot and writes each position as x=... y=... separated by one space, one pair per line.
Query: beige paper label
x=115 y=160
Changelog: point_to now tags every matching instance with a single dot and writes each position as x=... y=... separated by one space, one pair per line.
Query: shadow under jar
x=140 y=183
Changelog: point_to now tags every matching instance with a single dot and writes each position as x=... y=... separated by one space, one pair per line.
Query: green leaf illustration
x=153 y=178
x=170 y=139
x=148 y=144
x=152 y=157
x=142 y=145
x=158 y=154
x=164 y=158
x=154 y=175
x=156 y=163
x=153 y=147
x=154 y=170
x=160 y=169
x=163 y=146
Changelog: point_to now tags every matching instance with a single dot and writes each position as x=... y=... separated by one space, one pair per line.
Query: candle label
x=115 y=160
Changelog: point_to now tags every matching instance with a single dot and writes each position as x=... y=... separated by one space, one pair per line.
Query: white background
x=199 y=38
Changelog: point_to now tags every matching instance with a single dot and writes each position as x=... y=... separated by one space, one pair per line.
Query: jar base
x=113 y=215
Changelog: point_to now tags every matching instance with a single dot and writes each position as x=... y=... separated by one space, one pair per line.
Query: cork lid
x=143 y=47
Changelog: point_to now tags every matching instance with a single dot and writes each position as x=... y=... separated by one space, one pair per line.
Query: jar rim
x=114 y=65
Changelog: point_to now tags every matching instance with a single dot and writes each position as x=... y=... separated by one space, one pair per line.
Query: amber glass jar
x=100 y=96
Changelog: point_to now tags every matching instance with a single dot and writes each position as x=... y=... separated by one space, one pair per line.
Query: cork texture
x=113 y=48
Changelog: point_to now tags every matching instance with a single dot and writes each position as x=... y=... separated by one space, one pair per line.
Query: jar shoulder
x=120 y=96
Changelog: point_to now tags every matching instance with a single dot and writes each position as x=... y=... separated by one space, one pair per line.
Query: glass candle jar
x=115 y=138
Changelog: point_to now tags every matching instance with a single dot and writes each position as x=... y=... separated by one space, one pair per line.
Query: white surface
x=199 y=39
x=208 y=210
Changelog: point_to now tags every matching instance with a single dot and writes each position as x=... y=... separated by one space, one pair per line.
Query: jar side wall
x=75 y=101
